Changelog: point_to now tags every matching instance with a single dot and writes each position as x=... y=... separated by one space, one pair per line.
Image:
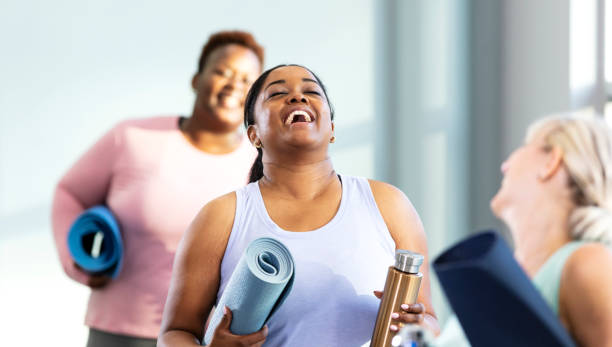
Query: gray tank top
x=336 y=268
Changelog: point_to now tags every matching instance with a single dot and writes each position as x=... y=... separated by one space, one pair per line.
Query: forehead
x=289 y=73
x=233 y=54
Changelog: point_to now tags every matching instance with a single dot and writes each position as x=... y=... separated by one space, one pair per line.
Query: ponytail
x=592 y=223
x=257 y=168
x=587 y=156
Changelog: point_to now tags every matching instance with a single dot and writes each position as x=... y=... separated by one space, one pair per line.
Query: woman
x=342 y=231
x=155 y=174
x=556 y=198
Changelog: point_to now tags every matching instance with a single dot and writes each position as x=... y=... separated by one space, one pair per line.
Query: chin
x=303 y=142
x=496 y=205
x=230 y=118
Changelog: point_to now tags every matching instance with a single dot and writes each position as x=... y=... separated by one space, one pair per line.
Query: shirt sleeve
x=85 y=185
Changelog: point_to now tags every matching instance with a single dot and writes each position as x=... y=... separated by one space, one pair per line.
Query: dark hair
x=249 y=113
x=223 y=38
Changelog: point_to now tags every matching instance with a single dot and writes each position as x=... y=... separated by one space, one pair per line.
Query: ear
x=194 y=81
x=554 y=162
x=252 y=134
x=333 y=127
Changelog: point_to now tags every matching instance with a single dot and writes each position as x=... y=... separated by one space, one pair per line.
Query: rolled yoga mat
x=257 y=288
x=94 y=241
x=494 y=300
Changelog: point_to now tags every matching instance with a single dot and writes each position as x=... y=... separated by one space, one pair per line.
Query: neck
x=302 y=180
x=538 y=234
x=200 y=135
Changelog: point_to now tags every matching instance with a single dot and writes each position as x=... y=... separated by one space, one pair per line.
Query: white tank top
x=336 y=268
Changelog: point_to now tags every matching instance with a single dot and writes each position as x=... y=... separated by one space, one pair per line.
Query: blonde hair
x=586 y=143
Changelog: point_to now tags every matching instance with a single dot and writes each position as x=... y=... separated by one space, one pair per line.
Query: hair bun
x=592 y=223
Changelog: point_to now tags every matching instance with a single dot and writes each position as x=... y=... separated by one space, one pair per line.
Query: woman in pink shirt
x=155 y=174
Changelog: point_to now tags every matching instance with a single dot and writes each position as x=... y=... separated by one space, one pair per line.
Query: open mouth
x=229 y=101
x=299 y=116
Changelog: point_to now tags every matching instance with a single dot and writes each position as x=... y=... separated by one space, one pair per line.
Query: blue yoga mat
x=94 y=241
x=258 y=286
x=494 y=300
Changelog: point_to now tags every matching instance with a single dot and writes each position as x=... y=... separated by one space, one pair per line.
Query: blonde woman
x=556 y=199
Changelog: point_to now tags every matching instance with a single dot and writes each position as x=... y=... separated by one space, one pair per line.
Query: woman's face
x=522 y=177
x=222 y=85
x=291 y=110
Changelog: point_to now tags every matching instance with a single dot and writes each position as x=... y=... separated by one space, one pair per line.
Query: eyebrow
x=275 y=82
x=283 y=81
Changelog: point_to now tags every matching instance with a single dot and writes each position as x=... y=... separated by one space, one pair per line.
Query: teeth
x=296 y=113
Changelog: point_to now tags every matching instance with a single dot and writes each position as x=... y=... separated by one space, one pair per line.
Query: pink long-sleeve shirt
x=155 y=182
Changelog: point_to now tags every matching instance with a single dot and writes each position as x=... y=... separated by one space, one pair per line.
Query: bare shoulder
x=222 y=207
x=389 y=198
x=587 y=264
x=399 y=214
x=585 y=298
x=213 y=222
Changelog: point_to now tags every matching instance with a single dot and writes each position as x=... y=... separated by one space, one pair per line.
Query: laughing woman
x=342 y=231
x=155 y=174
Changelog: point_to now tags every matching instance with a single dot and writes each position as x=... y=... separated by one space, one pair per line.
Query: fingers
x=98 y=281
x=224 y=337
x=410 y=318
x=411 y=314
x=413 y=308
x=378 y=294
x=226 y=320
x=255 y=339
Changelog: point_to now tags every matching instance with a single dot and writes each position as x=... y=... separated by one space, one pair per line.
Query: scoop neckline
x=186 y=142
x=263 y=213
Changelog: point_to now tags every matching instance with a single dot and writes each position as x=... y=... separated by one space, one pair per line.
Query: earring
x=258 y=144
x=332 y=140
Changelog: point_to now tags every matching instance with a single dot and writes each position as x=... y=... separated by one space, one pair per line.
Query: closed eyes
x=275 y=94
x=313 y=92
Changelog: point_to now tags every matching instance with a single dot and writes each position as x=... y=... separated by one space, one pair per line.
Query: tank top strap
x=548 y=278
x=360 y=194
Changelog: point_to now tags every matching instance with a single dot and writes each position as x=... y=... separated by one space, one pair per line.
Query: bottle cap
x=407 y=261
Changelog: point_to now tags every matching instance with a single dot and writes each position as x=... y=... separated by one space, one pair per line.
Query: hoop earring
x=258 y=144
x=332 y=140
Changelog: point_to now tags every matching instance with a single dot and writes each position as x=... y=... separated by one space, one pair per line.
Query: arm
x=83 y=186
x=195 y=281
x=585 y=298
x=407 y=231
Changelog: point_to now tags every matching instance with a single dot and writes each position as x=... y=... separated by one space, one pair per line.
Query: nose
x=297 y=98
x=504 y=167
x=232 y=82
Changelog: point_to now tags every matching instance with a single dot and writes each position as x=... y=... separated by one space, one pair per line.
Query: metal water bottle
x=401 y=287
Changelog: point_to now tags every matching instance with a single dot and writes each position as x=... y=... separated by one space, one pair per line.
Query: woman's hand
x=94 y=281
x=410 y=314
x=223 y=337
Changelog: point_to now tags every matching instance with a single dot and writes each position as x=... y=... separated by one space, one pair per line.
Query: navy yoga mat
x=95 y=242
x=258 y=286
x=494 y=300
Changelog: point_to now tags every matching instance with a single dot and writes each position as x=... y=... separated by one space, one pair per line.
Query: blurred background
x=430 y=95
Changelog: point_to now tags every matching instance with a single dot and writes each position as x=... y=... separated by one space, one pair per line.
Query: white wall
x=71 y=69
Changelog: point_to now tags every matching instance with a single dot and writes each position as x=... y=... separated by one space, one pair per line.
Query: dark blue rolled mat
x=494 y=300
x=94 y=241
x=260 y=283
